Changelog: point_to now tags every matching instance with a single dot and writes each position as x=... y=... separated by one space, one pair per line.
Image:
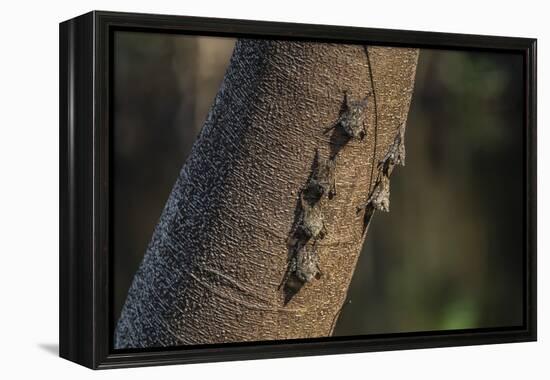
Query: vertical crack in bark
x=371 y=78
x=369 y=212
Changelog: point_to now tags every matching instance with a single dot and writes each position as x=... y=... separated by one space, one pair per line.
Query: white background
x=29 y=188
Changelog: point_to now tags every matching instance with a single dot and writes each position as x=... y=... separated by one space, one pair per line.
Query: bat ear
x=317 y=158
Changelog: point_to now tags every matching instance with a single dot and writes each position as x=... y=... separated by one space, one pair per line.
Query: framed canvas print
x=236 y=189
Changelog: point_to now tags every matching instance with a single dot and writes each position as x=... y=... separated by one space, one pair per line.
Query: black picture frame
x=86 y=55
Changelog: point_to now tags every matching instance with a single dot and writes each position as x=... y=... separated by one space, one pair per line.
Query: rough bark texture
x=212 y=271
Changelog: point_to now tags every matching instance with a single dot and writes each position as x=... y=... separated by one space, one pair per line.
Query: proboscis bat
x=380 y=198
x=396 y=153
x=305 y=264
x=311 y=225
x=352 y=118
x=322 y=180
x=303 y=267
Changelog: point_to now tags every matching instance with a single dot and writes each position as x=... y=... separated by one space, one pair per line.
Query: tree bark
x=213 y=269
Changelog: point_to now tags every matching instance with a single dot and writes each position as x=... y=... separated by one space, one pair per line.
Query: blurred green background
x=447 y=256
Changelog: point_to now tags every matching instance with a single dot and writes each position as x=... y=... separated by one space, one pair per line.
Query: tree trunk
x=213 y=269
